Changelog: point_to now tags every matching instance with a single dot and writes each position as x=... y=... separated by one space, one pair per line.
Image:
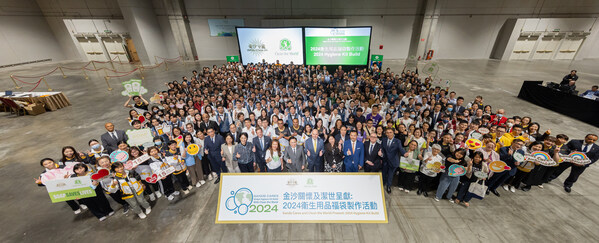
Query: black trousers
x=183 y=181
x=574 y=173
x=73 y=204
x=249 y=167
x=150 y=188
x=167 y=185
x=425 y=182
x=118 y=197
x=98 y=205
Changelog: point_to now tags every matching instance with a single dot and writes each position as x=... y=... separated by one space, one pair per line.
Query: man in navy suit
x=354 y=153
x=586 y=146
x=212 y=144
x=392 y=150
x=314 y=147
x=261 y=144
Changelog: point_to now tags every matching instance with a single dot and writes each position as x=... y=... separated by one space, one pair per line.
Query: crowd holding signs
x=271 y=118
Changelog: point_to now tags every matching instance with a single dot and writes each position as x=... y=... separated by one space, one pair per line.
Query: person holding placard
x=409 y=165
x=526 y=167
x=586 y=146
x=49 y=166
x=157 y=164
x=105 y=182
x=450 y=183
x=428 y=173
x=193 y=160
x=173 y=158
x=475 y=168
x=128 y=183
x=98 y=205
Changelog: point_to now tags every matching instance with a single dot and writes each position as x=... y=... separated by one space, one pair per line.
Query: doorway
x=131 y=50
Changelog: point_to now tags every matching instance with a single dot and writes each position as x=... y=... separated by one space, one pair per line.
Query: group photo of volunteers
x=267 y=117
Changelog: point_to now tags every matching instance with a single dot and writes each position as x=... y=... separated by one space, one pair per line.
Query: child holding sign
x=98 y=205
x=49 y=166
x=173 y=158
x=105 y=182
x=128 y=183
x=157 y=164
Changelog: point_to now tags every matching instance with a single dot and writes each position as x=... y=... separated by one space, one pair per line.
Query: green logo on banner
x=77 y=182
x=285 y=45
x=232 y=58
x=376 y=58
x=310 y=181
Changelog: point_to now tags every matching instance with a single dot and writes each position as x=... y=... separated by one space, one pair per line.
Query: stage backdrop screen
x=337 y=46
x=270 y=44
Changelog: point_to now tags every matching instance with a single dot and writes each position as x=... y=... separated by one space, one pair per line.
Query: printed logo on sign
x=257 y=47
x=337 y=32
x=239 y=202
x=285 y=45
x=232 y=58
x=310 y=183
x=292 y=182
x=77 y=182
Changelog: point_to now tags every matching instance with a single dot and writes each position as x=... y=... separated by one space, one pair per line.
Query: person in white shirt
x=273 y=157
x=247 y=128
x=428 y=174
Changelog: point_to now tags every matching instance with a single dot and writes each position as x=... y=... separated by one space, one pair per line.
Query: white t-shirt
x=436 y=158
x=276 y=160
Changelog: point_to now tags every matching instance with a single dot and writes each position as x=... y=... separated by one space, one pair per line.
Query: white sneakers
x=185 y=192
x=203 y=182
x=451 y=201
x=407 y=191
x=436 y=199
x=210 y=177
x=512 y=189
x=111 y=213
x=148 y=210
x=214 y=175
x=401 y=189
x=198 y=184
x=142 y=215
x=176 y=193
x=158 y=194
x=102 y=219
x=78 y=211
x=541 y=186
x=170 y=198
x=189 y=187
x=152 y=197
x=82 y=206
x=505 y=187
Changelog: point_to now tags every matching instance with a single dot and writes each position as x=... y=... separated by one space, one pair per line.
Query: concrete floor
x=548 y=214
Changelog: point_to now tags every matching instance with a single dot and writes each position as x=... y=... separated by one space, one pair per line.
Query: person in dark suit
x=373 y=152
x=586 y=146
x=392 y=150
x=459 y=106
x=342 y=136
x=314 y=148
x=213 y=143
x=207 y=123
x=261 y=144
x=436 y=114
x=294 y=156
x=354 y=153
x=235 y=133
x=112 y=137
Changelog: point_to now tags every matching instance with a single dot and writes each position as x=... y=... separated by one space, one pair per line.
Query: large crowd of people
x=295 y=118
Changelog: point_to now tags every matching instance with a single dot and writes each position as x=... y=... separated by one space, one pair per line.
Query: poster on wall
x=224 y=27
x=301 y=198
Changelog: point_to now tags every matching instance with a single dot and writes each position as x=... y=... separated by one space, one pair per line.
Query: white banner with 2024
x=301 y=198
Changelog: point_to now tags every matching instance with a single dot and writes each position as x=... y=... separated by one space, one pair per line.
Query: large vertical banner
x=301 y=198
x=271 y=45
x=337 y=46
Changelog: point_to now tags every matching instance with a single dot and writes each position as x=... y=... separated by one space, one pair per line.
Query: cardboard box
x=35 y=109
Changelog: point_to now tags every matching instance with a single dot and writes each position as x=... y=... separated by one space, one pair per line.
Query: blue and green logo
x=240 y=201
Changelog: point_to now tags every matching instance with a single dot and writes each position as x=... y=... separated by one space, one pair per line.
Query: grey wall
x=25 y=35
